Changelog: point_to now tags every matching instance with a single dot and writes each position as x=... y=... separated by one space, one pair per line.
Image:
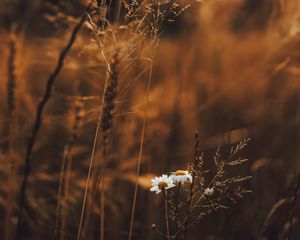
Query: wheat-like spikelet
x=110 y=96
x=10 y=127
x=11 y=83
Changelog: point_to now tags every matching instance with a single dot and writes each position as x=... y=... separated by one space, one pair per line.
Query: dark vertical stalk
x=105 y=124
x=9 y=130
x=192 y=184
x=166 y=214
x=177 y=205
x=38 y=121
x=110 y=96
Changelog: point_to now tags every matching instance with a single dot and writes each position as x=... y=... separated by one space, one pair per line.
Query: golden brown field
x=150 y=119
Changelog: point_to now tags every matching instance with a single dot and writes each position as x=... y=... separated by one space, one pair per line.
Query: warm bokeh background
x=229 y=69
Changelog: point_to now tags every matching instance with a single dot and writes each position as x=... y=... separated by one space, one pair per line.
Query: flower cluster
x=199 y=191
x=165 y=182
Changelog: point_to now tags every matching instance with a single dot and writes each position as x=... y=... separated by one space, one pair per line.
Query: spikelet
x=110 y=95
x=11 y=83
x=9 y=129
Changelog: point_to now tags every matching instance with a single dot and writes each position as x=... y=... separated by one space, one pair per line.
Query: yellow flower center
x=180 y=172
x=162 y=185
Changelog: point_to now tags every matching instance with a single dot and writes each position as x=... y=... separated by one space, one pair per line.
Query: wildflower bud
x=153 y=227
x=208 y=192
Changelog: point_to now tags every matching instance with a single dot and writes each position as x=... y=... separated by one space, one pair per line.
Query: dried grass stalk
x=10 y=128
x=38 y=121
x=61 y=210
x=110 y=95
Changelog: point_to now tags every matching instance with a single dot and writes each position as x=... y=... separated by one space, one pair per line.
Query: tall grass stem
x=140 y=152
x=38 y=122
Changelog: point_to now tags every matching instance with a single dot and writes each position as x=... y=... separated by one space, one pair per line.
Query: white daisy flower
x=208 y=192
x=182 y=176
x=161 y=183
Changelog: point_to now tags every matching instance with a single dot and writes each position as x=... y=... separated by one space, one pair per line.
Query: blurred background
x=229 y=69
